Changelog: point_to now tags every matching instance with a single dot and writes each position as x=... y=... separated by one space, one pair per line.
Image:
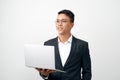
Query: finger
x=50 y=71
x=45 y=69
x=45 y=72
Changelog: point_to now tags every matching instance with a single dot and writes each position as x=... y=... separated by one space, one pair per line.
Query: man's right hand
x=45 y=72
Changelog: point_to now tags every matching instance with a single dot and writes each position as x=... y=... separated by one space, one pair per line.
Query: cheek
x=67 y=27
x=56 y=27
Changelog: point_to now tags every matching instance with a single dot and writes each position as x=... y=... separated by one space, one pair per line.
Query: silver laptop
x=40 y=56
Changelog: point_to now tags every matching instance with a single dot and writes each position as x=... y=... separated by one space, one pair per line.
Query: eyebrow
x=62 y=19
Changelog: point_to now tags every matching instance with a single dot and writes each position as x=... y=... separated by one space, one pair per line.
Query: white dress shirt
x=64 y=49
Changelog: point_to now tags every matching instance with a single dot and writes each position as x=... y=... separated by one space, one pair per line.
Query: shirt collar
x=68 y=41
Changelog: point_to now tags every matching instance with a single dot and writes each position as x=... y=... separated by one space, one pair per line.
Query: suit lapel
x=58 y=61
x=71 y=52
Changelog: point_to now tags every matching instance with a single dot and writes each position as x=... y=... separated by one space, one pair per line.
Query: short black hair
x=68 y=13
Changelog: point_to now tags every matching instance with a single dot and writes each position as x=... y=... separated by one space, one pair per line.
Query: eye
x=57 y=21
x=64 y=21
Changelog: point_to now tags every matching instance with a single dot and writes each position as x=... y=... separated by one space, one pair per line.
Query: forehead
x=62 y=16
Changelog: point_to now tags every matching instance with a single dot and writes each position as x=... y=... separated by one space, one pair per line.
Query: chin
x=61 y=33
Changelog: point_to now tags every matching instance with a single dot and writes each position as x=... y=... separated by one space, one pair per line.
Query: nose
x=60 y=23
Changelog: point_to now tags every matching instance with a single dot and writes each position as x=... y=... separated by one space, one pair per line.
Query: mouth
x=59 y=29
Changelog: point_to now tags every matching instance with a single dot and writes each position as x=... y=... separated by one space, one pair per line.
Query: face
x=63 y=24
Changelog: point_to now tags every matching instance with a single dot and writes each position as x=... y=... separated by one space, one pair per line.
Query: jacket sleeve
x=86 y=64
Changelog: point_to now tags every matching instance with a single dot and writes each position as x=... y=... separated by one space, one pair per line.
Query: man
x=71 y=54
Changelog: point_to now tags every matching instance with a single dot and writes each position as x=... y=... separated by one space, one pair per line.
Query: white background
x=33 y=21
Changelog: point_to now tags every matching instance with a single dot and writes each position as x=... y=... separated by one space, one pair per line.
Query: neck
x=64 y=38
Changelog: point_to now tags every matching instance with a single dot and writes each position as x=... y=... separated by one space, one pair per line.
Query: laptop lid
x=40 y=56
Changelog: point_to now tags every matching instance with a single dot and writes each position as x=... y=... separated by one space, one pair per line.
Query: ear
x=72 y=25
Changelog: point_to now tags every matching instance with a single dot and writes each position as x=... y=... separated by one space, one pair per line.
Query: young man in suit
x=71 y=54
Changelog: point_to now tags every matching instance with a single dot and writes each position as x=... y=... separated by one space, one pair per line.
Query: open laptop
x=40 y=56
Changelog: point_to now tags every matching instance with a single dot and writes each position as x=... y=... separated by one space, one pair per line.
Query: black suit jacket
x=77 y=64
